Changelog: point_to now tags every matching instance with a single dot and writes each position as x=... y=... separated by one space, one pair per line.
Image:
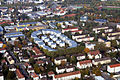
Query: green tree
x=114 y=43
x=31 y=60
x=11 y=75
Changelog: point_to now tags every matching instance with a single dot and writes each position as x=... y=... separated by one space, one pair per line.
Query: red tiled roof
x=94 y=52
x=37 y=51
x=2 y=49
x=50 y=73
x=69 y=15
x=1 y=42
x=76 y=31
x=34 y=75
x=71 y=28
x=40 y=62
x=114 y=65
x=67 y=74
x=26 y=64
x=19 y=73
x=85 y=62
x=6 y=22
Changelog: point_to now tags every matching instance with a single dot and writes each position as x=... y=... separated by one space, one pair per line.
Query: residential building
x=1 y=44
x=90 y=46
x=34 y=76
x=59 y=60
x=36 y=51
x=1 y=76
x=113 y=68
x=105 y=60
x=19 y=75
x=67 y=76
x=79 y=56
x=94 y=54
x=84 y=64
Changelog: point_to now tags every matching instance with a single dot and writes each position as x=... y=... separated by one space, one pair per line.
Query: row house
x=113 y=68
x=34 y=76
x=19 y=75
x=84 y=64
x=37 y=57
x=9 y=58
x=79 y=56
x=36 y=51
x=97 y=29
x=62 y=69
x=90 y=46
x=67 y=76
x=85 y=39
x=105 y=60
x=1 y=76
x=59 y=60
x=2 y=50
x=94 y=54
x=78 y=36
x=69 y=29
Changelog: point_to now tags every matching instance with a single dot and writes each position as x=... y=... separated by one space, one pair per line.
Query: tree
x=31 y=60
x=101 y=46
x=10 y=75
x=20 y=46
x=36 y=68
x=63 y=63
x=16 y=43
x=86 y=50
x=114 y=43
x=42 y=68
x=24 y=42
x=4 y=46
x=73 y=59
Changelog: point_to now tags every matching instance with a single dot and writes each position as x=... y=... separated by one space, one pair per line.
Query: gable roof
x=37 y=51
x=85 y=62
x=94 y=52
x=19 y=73
x=34 y=75
x=114 y=65
x=67 y=74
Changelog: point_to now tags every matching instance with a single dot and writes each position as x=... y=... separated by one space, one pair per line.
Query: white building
x=90 y=46
x=53 y=45
x=67 y=76
x=61 y=44
x=118 y=26
x=34 y=76
x=105 y=60
x=94 y=54
x=85 y=39
x=1 y=44
x=113 y=68
x=1 y=76
x=58 y=60
x=84 y=64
